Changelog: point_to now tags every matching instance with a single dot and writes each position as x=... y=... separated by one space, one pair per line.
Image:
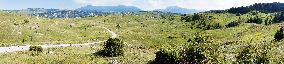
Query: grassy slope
x=142 y=34
x=14 y=30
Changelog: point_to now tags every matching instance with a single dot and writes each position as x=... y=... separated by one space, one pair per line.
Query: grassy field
x=143 y=35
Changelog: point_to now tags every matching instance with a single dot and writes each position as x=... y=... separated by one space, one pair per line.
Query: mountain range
x=90 y=10
x=119 y=8
x=176 y=9
x=122 y=8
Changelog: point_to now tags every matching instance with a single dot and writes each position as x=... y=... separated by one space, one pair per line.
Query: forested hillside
x=261 y=7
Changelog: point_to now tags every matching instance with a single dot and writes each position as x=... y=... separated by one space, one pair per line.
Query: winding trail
x=113 y=34
x=26 y=47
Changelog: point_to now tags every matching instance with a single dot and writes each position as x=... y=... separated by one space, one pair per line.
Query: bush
x=279 y=35
x=232 y=24
x=174 y=56
x=166 y=57
x=26 y=21
x=198 y=50
x=256 y=20
x=113 y=47
x=246 y=56
x=35 y=48
x=250 y=56
x=194 y=55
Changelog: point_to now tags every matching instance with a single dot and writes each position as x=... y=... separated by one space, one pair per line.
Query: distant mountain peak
x=177 y=9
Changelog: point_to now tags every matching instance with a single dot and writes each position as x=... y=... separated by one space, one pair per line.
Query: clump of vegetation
x=250 y=55
x=256 y=19
x=194 y=55
x=26 y=21
x=246 y=56
x=232 y=24
x=35 y=48
x=191 y=53
x=166 y=56
x=279 y=35
x=113 y=47
x=175 y=56
x=183 y=56
x=206 y=21
x=278 y=17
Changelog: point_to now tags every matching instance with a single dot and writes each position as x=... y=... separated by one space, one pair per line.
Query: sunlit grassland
x=142 y=34
x=20 y=29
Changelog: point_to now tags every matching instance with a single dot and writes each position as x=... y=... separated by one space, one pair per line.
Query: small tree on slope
x=113 y=48
x=279 y=35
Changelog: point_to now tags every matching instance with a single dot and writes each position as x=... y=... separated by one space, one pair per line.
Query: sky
x=142 y=4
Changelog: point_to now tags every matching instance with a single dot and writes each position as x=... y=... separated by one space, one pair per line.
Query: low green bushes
x=188 y=54
x=183 y=56
x=232 y=24
x=167 y=56
x=35 y=48
x=194 y=55
x=201 y=50
x=253 y=54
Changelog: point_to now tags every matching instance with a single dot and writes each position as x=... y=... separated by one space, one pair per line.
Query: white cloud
x=191 y=4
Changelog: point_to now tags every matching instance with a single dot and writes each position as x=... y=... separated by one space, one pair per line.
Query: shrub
x=256 y=20
x=246 y=56
x=165 y=56
x=279 y=35
x=35 y=48
x=250 y=56
x=26 y=21
x=113 y=47
x=175 y=56
x=194 y=55
x=232 y=24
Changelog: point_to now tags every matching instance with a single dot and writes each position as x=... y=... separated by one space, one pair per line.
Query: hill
x=262 y=7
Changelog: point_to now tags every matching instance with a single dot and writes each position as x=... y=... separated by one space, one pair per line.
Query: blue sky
x=22 y=4
x=143 y=4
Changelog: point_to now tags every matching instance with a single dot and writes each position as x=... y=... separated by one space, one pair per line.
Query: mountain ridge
x=261 y=7
x=176 y=9
x=119 y=8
